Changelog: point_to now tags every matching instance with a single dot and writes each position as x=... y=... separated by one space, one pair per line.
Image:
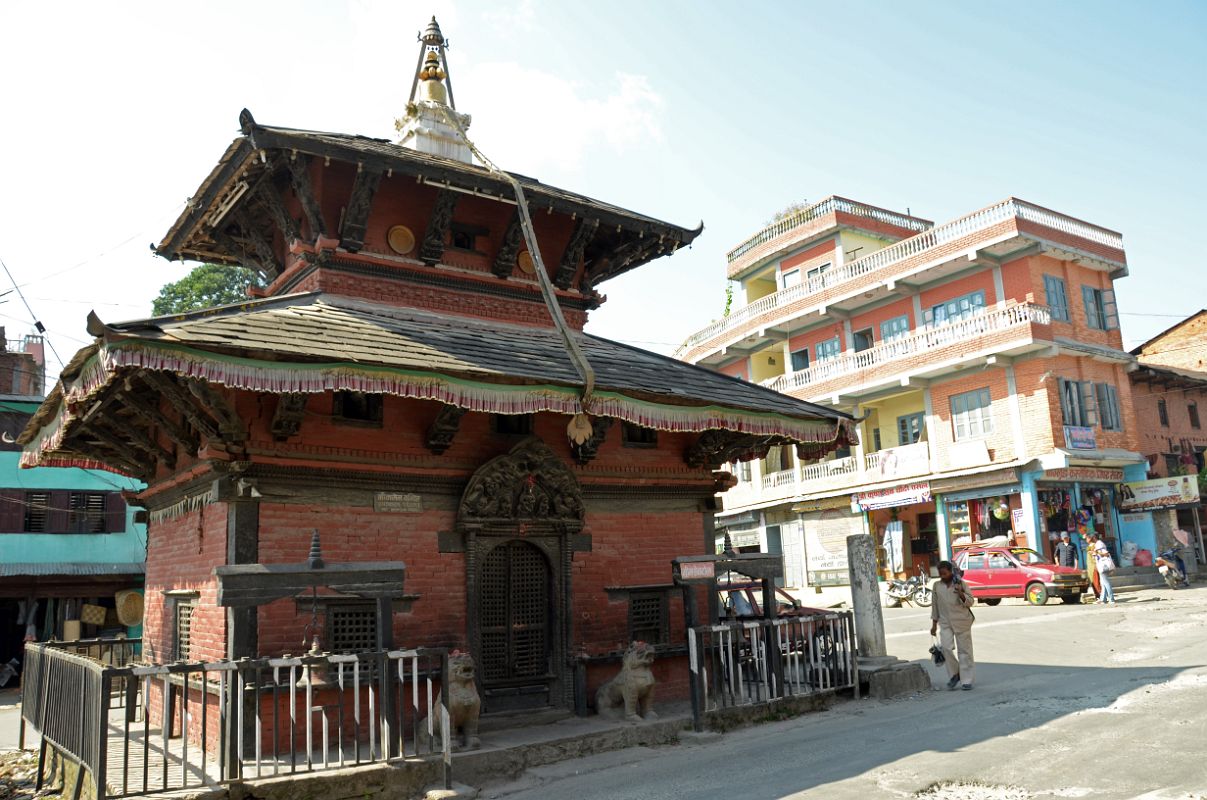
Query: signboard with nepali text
x=1079 y=438
x=905 y=495
x=1176 y=490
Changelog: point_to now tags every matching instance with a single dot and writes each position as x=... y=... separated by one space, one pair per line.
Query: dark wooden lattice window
x=358 y=407
x=648 y=618
x=352 y=628
x=513 y=424
x=37 y=512
x=637 y=436
x=184 y=630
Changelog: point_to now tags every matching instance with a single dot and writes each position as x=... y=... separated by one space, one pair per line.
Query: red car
x=997 y=572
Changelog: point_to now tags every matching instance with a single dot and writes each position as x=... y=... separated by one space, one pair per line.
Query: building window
x=892 y=328
x=778 y=459
x=1108 y=407
x=358 y=407
x=828 y=349
x=970 y=414
x=182 y=638
x=790 y=278
x=649 y=621
x=876 y=446
x=909 y=428
x=1078 y=403
x=1173 y=464
x=1100 y=311
x=1193 y=410
x=862 y=340
x=1163 y=413
x=351 y=627
x=638 y=436
x=465 y=237
x=800 y=359
x=37 y=512
x=814 y=275
x=956 y=309
x=1058 y=301
x=87 y=512
x=743 y=471
x=512 y=424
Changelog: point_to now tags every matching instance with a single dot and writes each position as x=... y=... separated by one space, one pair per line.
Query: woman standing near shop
x=1103 y=566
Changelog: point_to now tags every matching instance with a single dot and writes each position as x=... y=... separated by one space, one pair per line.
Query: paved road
x=1071 y=702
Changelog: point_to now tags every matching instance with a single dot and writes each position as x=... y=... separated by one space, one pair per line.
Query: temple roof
x=625 y=240
x=311 y=343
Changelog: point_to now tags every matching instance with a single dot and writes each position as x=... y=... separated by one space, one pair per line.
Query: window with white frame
x=893 y=328
x=789 y=277
x=957 y=308
x=1057 y=298
x=815 y=274
x=909 y=428
x=828 y=349
x=1101 y=312
x=971 y=416
x=800 y=359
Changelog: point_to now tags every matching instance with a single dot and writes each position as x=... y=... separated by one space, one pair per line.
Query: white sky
x=115 y=112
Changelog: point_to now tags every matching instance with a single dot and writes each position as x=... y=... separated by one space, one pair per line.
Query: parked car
x=997 y=572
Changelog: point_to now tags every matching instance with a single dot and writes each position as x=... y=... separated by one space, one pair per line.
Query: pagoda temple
x=414 y=383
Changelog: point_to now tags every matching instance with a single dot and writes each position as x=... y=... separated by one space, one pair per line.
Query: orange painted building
x=982 y=357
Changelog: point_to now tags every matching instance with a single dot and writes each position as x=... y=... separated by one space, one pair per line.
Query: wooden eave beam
x=148 y=443
x=181 y=400
x=260 y=245
x=505 y=260
x=270 y=199
x=219 y=408
x=573 y=254
x=438 y=225
x=150 y=412
x=110 y=440
x=356 y=214
x=299 y=177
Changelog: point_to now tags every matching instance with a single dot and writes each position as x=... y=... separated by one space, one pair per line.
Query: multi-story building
x=68 y=540
x=1169 y=387
x=982 y=356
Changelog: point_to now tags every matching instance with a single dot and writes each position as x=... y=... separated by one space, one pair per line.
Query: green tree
x=206 y=286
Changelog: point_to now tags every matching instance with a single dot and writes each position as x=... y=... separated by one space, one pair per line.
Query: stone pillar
x=865 y=596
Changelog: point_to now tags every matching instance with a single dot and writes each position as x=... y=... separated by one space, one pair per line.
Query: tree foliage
x=788 y=211
x=206 y=286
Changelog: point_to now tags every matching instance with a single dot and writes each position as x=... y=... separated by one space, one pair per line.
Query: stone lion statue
x=633 y=687
x=464 y=705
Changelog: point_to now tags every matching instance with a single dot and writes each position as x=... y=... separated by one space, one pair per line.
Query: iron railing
x=149 y=729
x=759 y=662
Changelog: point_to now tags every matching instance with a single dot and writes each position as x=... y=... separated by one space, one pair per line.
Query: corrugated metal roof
x=70 y=568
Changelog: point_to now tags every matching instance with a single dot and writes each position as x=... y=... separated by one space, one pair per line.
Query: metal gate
x=514 y=614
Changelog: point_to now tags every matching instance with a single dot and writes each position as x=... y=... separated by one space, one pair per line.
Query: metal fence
x=761 y=661
x=147 y=729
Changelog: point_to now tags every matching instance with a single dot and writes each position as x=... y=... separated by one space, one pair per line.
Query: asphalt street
x=1071 y=702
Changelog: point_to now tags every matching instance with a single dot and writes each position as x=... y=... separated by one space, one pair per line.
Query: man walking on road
x=951 y=615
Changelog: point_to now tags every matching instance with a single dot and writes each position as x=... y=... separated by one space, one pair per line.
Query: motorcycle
x=1172 y=568
x=913 y=590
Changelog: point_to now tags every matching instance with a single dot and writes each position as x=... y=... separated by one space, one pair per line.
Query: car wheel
x=1037 y=595
x=992 y=601
x=924 y=597
x=1070 y=599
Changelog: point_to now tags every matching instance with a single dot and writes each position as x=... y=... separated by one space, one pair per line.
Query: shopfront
x=903 y=523
x=982 y=507
x=1080 y=501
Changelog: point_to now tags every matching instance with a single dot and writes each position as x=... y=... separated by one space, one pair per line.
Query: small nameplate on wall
x=394 y=503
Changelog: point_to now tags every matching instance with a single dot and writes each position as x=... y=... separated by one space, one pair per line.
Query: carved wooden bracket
x=299 y=176
x=573 y=254
x=716 y=447
x=585 y=453
x=287 y=419
x=149 y=410
x=444 y=429
x=438 y=225
x=356 y=216
x=184 y=403
x=218 y=407
x=265 y=256
x=505 y=259
x=270 y=198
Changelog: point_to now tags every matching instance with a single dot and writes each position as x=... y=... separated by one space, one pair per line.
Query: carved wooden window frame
x=500 y=424
x=633 y=435
x=375 y=404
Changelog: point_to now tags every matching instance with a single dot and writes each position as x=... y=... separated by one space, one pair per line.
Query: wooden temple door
x=515 y=615
x=519 y=523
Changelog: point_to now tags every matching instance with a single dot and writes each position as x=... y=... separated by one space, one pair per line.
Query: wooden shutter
x=1089 y=405
x=12 y=511
x=1067 y=396
x=1109 y=310
x=58 y=519
x=1092 y=317
x=115 y=512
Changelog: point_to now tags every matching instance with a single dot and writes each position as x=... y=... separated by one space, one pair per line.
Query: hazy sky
x=115 y=112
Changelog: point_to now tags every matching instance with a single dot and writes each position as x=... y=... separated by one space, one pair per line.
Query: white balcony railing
x=897 y=462
x=773 y=480
x=901 y=251
x=986 y=322
x=819 y=210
